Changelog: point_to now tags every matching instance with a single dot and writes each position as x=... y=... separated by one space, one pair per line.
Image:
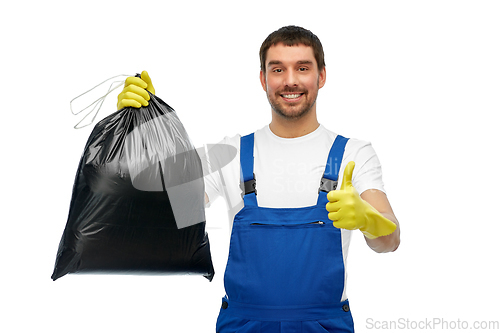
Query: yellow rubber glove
x=348 y=211
x=134 y=93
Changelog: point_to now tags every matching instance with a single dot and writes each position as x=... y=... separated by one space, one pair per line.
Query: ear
x=322 y=77
x=263 y=80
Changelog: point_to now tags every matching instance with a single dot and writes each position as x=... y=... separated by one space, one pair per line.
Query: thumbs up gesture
x=348 y=211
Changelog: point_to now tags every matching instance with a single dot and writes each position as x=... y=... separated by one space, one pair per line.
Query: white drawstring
x=98 y=102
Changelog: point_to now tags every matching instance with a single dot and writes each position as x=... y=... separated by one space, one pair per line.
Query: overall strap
x=330 y=177
x=247 y=174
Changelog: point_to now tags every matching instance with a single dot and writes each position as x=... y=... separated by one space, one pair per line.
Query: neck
x=293 y=128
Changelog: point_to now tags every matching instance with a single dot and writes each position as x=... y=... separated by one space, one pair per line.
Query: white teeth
x=292 y=96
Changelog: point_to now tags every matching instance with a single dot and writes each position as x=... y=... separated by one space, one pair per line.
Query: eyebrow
x=300 y=62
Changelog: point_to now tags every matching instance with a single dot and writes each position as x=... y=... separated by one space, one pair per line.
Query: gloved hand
x=348 y=211
x=134 y=93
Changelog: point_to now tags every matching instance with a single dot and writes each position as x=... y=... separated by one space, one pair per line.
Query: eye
x=302 y=69
x=277 y=70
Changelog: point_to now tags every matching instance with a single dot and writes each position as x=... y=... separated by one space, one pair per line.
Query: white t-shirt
x=288 y=172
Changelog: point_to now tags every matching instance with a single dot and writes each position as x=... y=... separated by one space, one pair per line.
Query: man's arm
x=371 y=213
x=378 y=200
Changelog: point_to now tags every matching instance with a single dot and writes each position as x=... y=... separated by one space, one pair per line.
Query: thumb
x=347 y=179
x=147 y=79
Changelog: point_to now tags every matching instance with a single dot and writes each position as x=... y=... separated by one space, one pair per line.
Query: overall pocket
x=285 y=263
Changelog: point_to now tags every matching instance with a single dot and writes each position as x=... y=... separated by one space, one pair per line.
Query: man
x=286 y=266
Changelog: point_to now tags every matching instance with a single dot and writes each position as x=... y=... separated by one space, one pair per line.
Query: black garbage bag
x=137 y=205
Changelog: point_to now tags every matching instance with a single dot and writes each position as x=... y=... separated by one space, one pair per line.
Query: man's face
x=292 y=80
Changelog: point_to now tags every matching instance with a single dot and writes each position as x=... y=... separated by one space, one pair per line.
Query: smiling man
x=291 y=78
x=295 y=194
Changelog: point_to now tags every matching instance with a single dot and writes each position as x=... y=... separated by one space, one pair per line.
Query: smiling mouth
x=292 y=97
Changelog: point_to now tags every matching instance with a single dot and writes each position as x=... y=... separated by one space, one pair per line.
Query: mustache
x=291 y=90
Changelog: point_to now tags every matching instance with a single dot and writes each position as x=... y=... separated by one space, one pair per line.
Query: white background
x=419 y=79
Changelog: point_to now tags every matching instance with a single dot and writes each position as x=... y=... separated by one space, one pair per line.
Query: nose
x=290 y=79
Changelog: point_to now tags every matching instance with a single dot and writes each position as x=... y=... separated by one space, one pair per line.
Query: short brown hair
x=293 y=35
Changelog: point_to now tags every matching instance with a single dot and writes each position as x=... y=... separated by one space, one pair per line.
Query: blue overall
x=285 y=270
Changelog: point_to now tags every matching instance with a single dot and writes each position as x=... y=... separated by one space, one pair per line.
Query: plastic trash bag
x=138 y=199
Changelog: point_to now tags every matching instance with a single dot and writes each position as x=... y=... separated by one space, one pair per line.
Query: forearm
x=369 y=212
x=387 y=243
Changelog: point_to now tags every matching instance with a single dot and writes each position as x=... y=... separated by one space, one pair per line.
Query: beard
x=292 y=111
